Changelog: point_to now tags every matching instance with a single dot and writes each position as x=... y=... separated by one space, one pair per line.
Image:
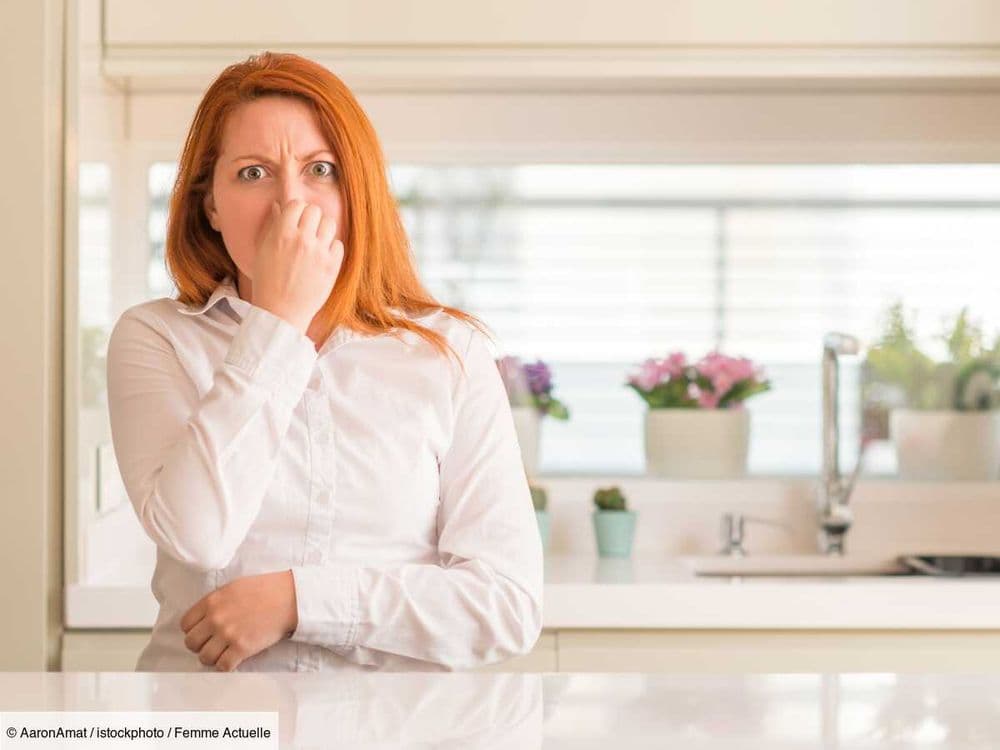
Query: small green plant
x=975 y=368
x=900 y=374
x=539 y=497
x=609 y=498
x=896 y=361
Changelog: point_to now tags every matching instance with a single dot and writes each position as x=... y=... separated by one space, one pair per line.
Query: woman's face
x=272 y=150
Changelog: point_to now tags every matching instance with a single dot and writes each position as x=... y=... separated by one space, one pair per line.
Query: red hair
x=377 y=272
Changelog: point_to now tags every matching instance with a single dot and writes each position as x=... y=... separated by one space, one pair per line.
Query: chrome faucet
x=733 y=532
x=834 y=515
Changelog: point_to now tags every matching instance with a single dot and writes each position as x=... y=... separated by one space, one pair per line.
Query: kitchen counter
x=588 y=592
x=569 y=710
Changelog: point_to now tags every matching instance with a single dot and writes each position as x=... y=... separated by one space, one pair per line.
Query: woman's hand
x=297 y=262
x=241 y=619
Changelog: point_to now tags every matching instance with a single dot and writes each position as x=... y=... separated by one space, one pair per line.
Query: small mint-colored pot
x=615 y=530
x=543 y=527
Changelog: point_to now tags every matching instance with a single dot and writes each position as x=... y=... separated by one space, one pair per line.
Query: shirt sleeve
x=196 y=468
x=483 y=602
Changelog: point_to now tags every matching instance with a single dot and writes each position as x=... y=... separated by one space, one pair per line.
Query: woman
x=324 y=456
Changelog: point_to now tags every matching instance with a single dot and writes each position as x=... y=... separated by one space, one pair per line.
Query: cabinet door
x=777 y=651
x=118 y=651
x=542 y=658
x=112 y=651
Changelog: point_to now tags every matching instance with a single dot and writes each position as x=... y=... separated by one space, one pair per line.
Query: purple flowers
x=530 y=385
x=539 y=377
x=713 y=382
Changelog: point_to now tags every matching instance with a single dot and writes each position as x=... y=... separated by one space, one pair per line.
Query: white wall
x=768 y=127
x=31 y=60
x=393 y=44
x=555 y=22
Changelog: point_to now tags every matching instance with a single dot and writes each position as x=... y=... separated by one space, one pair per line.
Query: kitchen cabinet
x=670 y=650
x=777 y=651
x=117 y=651
x=501 y=45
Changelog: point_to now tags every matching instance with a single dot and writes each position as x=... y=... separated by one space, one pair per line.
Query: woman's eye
x=325 y=169
x=319 y=169
x=250 y=174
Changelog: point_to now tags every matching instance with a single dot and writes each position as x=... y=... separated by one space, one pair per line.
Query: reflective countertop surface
x=554 y=710
x=584 y=591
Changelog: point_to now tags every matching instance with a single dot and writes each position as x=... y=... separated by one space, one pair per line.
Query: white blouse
x=388 y=483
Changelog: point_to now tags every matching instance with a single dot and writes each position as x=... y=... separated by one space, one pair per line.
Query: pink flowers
x=652 y=372
x=723 y=373
x=716 y=381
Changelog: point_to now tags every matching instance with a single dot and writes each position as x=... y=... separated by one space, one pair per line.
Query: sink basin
x=793 y=565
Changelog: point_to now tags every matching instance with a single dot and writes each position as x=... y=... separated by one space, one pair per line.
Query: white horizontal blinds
x=594 y=268
x=556 y=277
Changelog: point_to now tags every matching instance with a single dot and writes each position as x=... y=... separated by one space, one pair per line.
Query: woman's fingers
x=212 y=650
x=296 y=265
x=309 y=220
x=198 y=635
x=291 y=213
x=327 y=230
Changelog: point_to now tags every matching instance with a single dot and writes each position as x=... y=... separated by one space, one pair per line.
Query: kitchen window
x=595 y=267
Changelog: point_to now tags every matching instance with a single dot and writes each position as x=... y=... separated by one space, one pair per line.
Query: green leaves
x=673 y=394
x=968 y=381
x=976 y=386
x=551 y=406
x=742 y=391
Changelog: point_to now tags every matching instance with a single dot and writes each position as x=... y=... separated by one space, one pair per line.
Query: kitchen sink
x=794 y=565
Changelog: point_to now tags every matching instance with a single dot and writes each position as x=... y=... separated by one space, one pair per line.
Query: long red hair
x=377 y=272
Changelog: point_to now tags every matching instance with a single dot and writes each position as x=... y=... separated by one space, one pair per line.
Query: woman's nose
x=291 y=188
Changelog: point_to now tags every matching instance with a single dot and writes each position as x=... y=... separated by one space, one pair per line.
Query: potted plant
x=529 y=390
x=696 y=424
x=942 y=415
x=614 y=525
x=540 y=499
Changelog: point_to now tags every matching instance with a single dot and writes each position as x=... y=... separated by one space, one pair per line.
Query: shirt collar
x=225 y=290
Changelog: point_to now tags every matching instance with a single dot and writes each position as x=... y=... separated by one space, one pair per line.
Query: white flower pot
x=527 y=422
x=946 y=444
x=697 y=443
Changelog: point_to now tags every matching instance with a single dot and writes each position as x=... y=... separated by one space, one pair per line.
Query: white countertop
x=508 y=710
x=589 y=592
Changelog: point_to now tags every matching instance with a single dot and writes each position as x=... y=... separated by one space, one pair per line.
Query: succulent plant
x=609 y=498
x=539 y=497
x=976 y=386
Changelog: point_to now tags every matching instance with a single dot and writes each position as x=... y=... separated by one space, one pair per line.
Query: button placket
x=322 y=479
x=322 y=485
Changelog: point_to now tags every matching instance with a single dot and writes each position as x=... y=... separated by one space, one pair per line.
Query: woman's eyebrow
x=258 y=157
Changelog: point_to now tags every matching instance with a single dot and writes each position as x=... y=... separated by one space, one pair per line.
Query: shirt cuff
x=272 y=351
x=326 y=601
